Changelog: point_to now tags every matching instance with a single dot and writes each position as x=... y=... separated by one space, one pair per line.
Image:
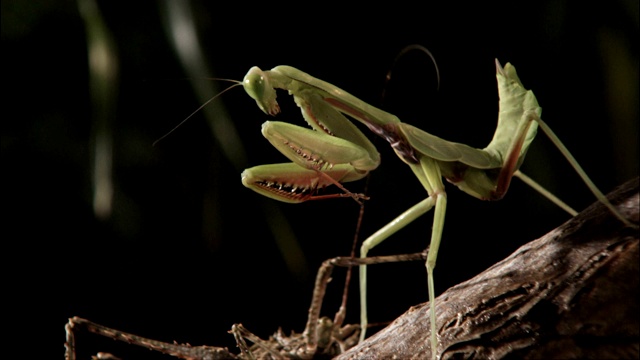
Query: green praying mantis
x=335 y=151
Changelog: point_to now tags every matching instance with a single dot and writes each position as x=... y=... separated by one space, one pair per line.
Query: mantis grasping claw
x=338 y=152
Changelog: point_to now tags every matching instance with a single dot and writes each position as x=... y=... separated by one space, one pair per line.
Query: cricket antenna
x=342 y=311
x=236 y=83
x=403 y=52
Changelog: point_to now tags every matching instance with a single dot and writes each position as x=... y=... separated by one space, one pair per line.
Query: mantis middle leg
x=428 y=172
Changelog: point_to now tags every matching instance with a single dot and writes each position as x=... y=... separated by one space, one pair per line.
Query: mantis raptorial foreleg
x=483 y=173
x=336 y=152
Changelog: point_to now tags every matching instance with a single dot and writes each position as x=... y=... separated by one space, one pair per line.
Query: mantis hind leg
x=583 y=175
x=546 y=193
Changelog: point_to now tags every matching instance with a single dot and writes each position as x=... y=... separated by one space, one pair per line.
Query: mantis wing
x=443 y=150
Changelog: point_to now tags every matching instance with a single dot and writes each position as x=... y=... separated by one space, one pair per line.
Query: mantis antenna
x=402 y=53
x=236 y=83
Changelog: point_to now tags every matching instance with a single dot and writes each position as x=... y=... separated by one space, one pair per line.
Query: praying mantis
x=335 y=151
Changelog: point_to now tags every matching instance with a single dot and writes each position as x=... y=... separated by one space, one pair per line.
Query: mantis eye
x=256 y=84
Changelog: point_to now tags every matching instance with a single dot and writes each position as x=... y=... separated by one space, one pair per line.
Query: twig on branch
x=573 y=293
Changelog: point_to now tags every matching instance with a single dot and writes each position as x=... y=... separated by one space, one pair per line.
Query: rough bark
x=571 y=294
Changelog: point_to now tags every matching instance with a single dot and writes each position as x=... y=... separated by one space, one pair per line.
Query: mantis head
x=256 y=84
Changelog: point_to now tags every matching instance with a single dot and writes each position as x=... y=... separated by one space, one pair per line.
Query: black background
x=187 y=251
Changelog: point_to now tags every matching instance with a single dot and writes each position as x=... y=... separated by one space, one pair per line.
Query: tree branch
x=573 y=293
